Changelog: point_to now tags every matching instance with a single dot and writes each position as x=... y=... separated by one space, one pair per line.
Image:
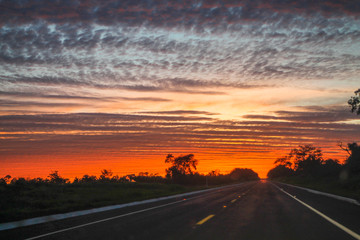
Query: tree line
x=308 y=162
x=182 y=171
x=106 y=176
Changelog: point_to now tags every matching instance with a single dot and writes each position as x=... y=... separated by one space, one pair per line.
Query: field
x=26 y=201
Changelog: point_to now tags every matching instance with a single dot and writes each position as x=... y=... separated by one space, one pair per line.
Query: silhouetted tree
x=181 y=165
x=143 y=174
x=331 y=168
x=18 y=181
x=105 y=175
x=56 y=178
x=284 y=161
x=5 y=180
x=352 y=163
x=280 y=171
x=145 y=177
x=181 y=168
x=131 y=177
x=214 y=173
x=354 y=102
x=243 y=174
x=88 y=179
x=306 y=158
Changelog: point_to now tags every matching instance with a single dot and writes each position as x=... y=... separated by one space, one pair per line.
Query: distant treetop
x=354 y=102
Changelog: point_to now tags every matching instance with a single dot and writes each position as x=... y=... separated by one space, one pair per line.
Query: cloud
x=26 y=104
x=49 y=96
x=167 y=130
x=180 y=112
x=166 y=13
x=320 y=115
x=171 y=85
x=176 y=46
x=80 y=56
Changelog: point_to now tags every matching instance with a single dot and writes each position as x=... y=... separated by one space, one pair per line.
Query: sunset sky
x=88 y=85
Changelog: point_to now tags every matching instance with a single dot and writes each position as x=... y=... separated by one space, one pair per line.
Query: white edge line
x=103 y=220
x=342 y=227
x=345 y=199
x=44 y=219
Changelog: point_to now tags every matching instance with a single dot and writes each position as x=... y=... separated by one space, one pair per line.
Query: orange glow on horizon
x=71 y=166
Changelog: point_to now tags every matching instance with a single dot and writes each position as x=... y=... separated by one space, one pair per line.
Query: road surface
x=253 y=210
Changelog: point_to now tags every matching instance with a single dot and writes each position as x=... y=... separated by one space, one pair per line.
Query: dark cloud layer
x=166 y=13
x=322 y=115
x=164 y=130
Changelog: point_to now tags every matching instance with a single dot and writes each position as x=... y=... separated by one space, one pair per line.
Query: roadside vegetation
x=354 y=102
x=22 y=198
x=305 y=166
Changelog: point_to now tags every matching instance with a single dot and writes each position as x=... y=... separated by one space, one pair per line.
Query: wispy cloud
x=176 y=46
x=320 y=115
x=174 y=129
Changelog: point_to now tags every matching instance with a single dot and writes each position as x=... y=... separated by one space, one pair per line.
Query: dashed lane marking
x=205 y=219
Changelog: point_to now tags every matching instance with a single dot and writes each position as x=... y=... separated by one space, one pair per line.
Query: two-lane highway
x=254 y=210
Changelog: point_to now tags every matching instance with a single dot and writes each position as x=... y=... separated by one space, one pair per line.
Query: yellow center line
x=205 y=219
x=234 y=200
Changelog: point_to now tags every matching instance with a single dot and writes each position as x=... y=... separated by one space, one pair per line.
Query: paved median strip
x=205 y=219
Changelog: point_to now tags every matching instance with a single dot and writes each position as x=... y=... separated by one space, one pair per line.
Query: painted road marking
x=219 y=189
x=342 y=227
x=45 y=219
x=349 y=200
x=234 y=200
x=103 y=220
x=205 y=219
x=127 y=214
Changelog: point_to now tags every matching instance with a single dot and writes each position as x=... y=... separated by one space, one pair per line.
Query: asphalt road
x=254 y=210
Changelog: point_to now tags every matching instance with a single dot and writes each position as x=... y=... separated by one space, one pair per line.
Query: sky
x=92 y=85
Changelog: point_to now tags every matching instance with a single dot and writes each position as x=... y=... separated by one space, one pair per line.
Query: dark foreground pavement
x=254 y=210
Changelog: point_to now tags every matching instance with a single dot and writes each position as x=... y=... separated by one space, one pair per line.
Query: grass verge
x=28 y=201
x=350 y=189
